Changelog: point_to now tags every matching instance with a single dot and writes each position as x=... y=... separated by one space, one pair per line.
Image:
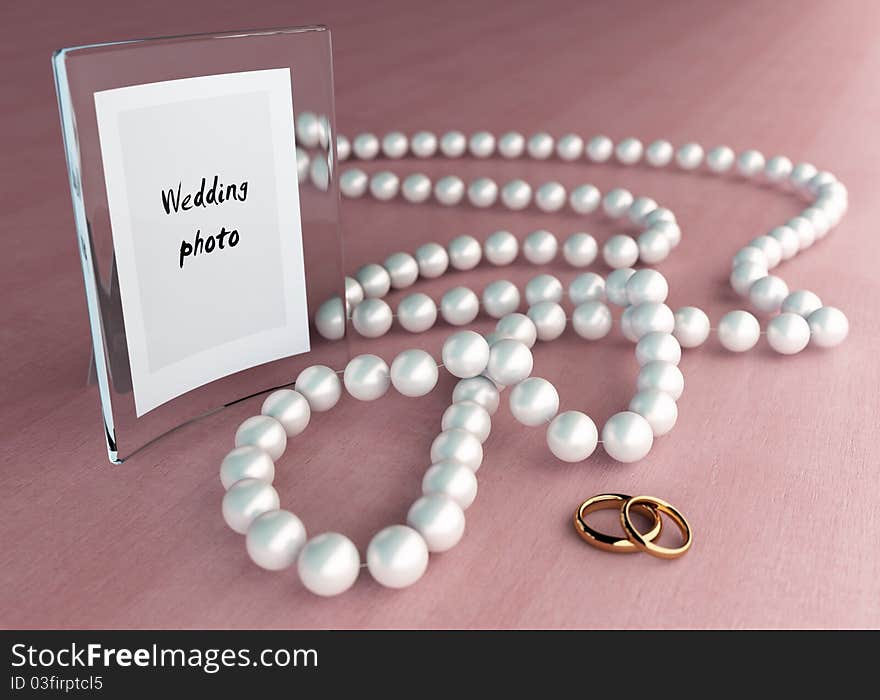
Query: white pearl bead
x=656 y=407
x=819 y=180
x=319 y=173
x=543 y=288
x=750 y=254
x=584 y=199
x=659 y=215
x=480 y=390
x=768 y=293
x=828 y=327
x=245 y=500
x=640 y=208
x=464 y=252
x=534 y=401
x=689 y=156
x=801 y=174
x=629 y=151
x=519 y=327
x=580 y=249
x=516 y=195
x=599 y=148
x=469 y=416
x=366 y=377
x=365 y=146
x=540 y=247
x=353 y=183
x=483 y=192
x=290 y=408
x=501 y=248
x=646 y=285
x=403 y=270
x=275 y=539
x=465 y=354
x=720 y=159
x=615 y=286
x=512 y=144
x=750 y=163
x=620 y=251
x=662 y=376
x=321 y=387
x=771 y=249
x=246 y=462
x=397 y=556
x=449 y=190
x=668 y=228
x=540 y=146
x=691 y=326
x=550 y=197
x=424 y=144
x=591 y=320
x=395 y=145
x=627 y=437
x=416 y=188
x=658 y=347
x=549 y=319
x=439 y=520
x=374 y=280
x=588 y=286
x=457 y=445
x=570 y=147
x=372 y=318
x=328 y=564
x=343 y=148
x=738 y=331
x=453 y=144
x=308 y=129
x=510 y=361
x=654 y=246
x=330 y=319
x=459 y=306
x=801 y=302
x=650 y=317
x=414 y=373
x=500 y=298
x=778 y=169
x=820 y=222
x=417 y=312
x=433 y=260
x=481 y=144
x=742 y=276
x=451 y=479
x=659 y=153
x=354 y=293
x=617 y=202
x=264 y=432
x=788 y=333
x=572 y=436
x=788 y=241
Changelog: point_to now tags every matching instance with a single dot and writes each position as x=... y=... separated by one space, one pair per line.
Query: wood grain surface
x=774 y=460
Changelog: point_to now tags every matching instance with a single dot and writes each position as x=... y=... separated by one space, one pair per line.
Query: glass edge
x=60 y=54
x=72 y=156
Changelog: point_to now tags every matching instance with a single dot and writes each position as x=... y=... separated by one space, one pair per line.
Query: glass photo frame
x=142 y=120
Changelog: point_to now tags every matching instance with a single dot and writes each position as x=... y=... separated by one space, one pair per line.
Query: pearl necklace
x=397 y=556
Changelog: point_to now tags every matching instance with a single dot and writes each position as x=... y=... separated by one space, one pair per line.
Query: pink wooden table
x=774 y=460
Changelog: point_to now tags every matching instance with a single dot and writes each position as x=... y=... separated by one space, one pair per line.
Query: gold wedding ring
x=635 y=541
x=609 y=543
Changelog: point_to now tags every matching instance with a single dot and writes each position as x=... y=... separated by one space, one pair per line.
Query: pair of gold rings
x=635 y=541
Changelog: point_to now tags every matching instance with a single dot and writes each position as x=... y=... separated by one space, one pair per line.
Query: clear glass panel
x=83 y=71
